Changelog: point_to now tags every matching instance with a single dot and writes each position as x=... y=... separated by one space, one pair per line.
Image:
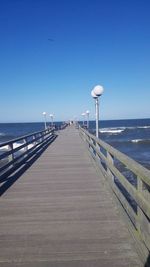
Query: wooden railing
x=17 y=151
x=133 y=194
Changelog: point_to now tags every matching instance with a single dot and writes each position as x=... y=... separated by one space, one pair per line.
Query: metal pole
x=87 y=120
x=97 y=116
x=45 y=122
x=83 y=121
x=44 y=114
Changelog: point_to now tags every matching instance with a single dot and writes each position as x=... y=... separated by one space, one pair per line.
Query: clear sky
x=90 y=42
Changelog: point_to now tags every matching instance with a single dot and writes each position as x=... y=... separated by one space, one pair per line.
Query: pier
x=61 y=205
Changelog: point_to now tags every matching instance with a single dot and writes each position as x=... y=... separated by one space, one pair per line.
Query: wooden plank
x=60 y=213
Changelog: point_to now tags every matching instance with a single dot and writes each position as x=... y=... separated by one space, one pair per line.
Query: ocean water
x=131 y=137
x=9 y=131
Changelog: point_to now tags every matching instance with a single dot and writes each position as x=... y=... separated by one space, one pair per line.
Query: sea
x=131 y=137
x=9 y=131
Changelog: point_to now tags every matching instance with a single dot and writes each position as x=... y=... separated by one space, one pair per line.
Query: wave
x=2 y=134
x=138 y=127
x=118 y=130
x=15 y=145
x=129 y=142
x=113 y=130
x=136 y=140
x=143 y=127
x=143 y=141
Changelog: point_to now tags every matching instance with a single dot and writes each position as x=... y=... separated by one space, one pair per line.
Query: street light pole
x=87 y=113
x=96 y=92
x=83 y=114
x=44 y=114
x=52 y=116
x=97 y=116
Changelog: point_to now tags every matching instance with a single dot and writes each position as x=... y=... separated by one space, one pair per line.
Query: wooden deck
x=59 y=213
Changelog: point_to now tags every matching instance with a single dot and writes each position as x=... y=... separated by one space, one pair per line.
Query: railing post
x=47 y=132
x=34 y=137
x=98 y=148
x=140 y=188
x=43 y=136
x=93 y=148
x=110 y=160
x=26 y=147
x=89 y=139
x=11 y=156
x=143 y=222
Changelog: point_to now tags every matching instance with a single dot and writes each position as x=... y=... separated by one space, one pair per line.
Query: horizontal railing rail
x=15 y=152
x=130 y=183
x=63 y=126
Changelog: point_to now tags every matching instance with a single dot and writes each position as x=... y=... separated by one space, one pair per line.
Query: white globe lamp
x=98 y=90
x=93 y=94
x=87 y=113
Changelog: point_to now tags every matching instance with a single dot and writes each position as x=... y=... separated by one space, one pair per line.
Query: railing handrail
x=23 y=145
x=134 y=199
x=133 y=165
x=24 y=137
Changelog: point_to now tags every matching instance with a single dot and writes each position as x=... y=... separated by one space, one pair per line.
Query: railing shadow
x=147 y=264
x=9 y=181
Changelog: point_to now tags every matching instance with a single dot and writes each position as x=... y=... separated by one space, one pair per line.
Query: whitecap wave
x=142 y=141
x=118 y=130
x=132 y=127
x=138 y=127
x=4 y=148
x=112 y=130
x=137 y=140
x=15 y=145
x=2 y=134
x=143 y=127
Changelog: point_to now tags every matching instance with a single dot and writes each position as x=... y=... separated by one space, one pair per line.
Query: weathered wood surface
x=138 y=218
x=60 y=214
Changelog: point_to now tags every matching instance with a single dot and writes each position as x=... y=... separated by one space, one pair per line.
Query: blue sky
x=93 y=42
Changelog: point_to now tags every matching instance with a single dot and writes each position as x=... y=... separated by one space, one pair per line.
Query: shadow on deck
x=147 y=264
x=7 y=182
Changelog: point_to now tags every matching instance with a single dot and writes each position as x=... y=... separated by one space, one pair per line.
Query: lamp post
x=83 y=114
x=96 y=92
x=87 y=113
x=51 y=116
x=44 y=114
